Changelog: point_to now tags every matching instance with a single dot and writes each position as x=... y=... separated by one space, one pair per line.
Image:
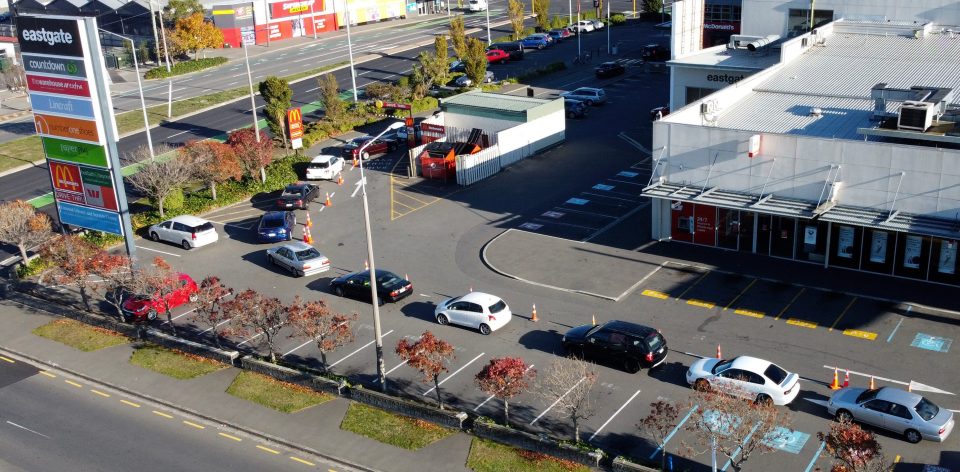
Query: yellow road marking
x=693 y=285
x=700 y=303
x=230 y=437
x=160 y=413
x=403 y=204
x=750 y=313
x=801 y=323
x=411 y=197
x=897 y=459
x=125 y=402
x=48 y=374
x=8 y=360
x=860 y=334
x=71 y=382
x=655 y=294
x=302 y=461
x=795 y=297
x=740 y=294
x=194 y=425
x=105 y=395
x=844 y=312
x=264 y=448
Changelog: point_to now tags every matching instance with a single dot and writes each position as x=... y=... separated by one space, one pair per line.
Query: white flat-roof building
x=844 y=153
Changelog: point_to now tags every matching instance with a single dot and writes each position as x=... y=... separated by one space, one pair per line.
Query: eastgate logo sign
x=45 y=35
x=50 y=37
x=727 y=79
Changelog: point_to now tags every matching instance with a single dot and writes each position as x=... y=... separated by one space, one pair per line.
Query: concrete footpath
x=313 y=432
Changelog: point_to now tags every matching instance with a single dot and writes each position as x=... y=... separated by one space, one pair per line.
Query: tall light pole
x=570 y=5
x=313 y=20
x=253 y=102
x=381 y=374
x=143 y=103
x=353 y=74
x=487 y=9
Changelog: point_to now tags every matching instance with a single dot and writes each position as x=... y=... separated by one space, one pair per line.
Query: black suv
x=621 y=343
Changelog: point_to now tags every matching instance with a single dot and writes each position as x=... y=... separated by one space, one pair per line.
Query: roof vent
x=917 y=116
x=816 y=111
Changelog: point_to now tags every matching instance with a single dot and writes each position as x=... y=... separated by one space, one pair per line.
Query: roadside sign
x=295 y=127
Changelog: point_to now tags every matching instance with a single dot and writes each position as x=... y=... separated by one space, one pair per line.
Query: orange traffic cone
x=719 y=356
x=846 y=378
x=307 y=238
x=836 y=380
x=910 y=386
x=340 y=178
x=872 y=385
x=533 y=317
x=593 y=319
x=328 y=203
x=366 y=265
x=309 y=224
x=354 y=161
x=406 y=277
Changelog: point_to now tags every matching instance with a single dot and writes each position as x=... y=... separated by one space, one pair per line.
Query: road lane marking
x=311 y=464
x=750 y=313
x=693 y=285
x=700 y=303
x=129 y=403
x=913 y=385
x=228 y=436
x=11 y=423
x=157 y=250
x=48 y=374
x=160 y=413
x=815 y=457
x=395 y=368
x=71 y=382
x=360 y=349
x=455 y=373
x=844 y=312
x=655 y=294
x=595 y=433
x=856 y=333
x=7 y=359
x=264 y=448
x=98 y=392
x=675 y=429
x=795 y=297
x=895 y=328
x=801 y=323
x=557 y=400
x=189 y=423
x=740 y=294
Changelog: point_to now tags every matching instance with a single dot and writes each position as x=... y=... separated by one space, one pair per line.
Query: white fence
x=472 y=168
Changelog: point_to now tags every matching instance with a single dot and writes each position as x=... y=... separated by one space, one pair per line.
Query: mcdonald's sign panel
x=66 y=177
x=295 y=127
x=62 y=196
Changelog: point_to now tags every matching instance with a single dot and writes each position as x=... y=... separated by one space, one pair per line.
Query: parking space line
x=740 y=294
x=844 y=312
x=801 y=323
x=395 y=368
x=455 y=373
x=595 y=433
x=856 y=333
x=157 y=250
x=701 y=303
x=675 y=429
x=895 y=328
x=360 y=349
x=795 y=297
x=179 y=316
x=217 y=326
x=557 y=401
x=736 y=452
x=750 y=313
x=815 y=457
x=252 y=338
x=693 y=285
x=655 y=294
x=491 y=396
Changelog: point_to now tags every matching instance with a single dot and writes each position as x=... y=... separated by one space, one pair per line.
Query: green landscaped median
x=272 y=393
x=390 y=428
x=19 y=152
x=176 y=364
x=79 y=335
x=487 y=456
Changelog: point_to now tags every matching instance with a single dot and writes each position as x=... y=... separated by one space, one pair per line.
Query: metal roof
x=722 y=58
x=495 y=101
x=772 y=112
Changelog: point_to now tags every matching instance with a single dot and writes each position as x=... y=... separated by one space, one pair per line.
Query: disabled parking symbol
x=931 y=343
x=787 y=440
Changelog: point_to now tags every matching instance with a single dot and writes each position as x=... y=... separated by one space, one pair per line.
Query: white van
x=324 y=167
x=478 y=5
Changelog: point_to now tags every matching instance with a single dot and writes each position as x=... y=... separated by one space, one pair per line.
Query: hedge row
x=185 y=67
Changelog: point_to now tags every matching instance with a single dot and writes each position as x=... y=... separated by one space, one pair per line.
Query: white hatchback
x=478 y=310
x=745 y=376
x=185 y=230
x=324 y=167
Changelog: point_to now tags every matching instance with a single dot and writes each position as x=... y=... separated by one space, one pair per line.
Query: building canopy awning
x=792 y=208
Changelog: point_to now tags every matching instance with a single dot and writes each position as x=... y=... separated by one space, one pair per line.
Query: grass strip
x=391 y=428
x=21 y=151
x=172 y=363
x=272 y=393
x=79 y=335
x=488 y=456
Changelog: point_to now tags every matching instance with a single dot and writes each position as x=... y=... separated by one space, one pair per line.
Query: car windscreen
x=306 y=254
x=497 y=307
x=272 y=222
x=867 y=395
x=926 y=409
x=721 y=366
x=655 y=342
x=201 y=228
x=775 y=373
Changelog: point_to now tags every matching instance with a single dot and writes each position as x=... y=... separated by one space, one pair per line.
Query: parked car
x=893 y=409
x=745 y=376
x=609 y=69
x=458 y=66
x=324 y=167
x=514 y=49
x=464 y=81
x=536 y=41
x=629 y=345
x=589 y=95
x=597 y=24
x=655 y=52
x=477 y=5
x=187 y=231
x=477 y=310
x=380 y=146
x=142 y=307
x=582 y=26
x=390 y=286
x=298 y=195
x=574 y=108
x=276 y=226
x=299 y=258
x=560 y=34
x=659 y=112
x=497 y=56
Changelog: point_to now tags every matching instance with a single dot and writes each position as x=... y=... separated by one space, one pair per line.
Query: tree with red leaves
x=327 y=328
x=429 y=355
x=210 y=301
x=505 y=378
x=253 y=156
x=69 y=257
x=213 y=162
x=259 y=316
x=160 y=281
x=853 y=448
x=117 y=279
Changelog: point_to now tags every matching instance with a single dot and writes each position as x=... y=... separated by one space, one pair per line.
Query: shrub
x=185 y=67
x=618 y=19
x=34 y=267
x=101 y=239
x=545 y=70
x=174 y=201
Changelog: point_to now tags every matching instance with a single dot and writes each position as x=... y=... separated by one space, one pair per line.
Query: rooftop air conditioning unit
x=917 y=116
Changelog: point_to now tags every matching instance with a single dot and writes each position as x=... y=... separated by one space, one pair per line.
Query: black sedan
x=609 y=69
x=390 y=286
x=298 y=195
x=627 y=345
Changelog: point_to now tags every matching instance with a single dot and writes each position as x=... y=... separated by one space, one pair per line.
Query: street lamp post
x=253 y=102
x=381 y=375
x=487 y=10
x=143 y=103
x=353 y=74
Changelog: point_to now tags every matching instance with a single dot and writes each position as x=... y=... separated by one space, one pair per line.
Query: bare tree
x=156 y=178
x=210 y=301
x=258 y=316
x=853 y=449
x=326 y=327
x=70 y=259
x=23 y=226
x=659 y=424
x=568 y=382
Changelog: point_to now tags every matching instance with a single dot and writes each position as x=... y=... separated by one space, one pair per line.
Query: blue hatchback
x=276 y=226
x=536 y=41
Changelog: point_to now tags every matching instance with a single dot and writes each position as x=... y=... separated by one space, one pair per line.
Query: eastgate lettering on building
x=727 y=79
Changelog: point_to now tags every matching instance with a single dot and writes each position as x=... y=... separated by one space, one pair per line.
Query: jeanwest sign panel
x=294 y=8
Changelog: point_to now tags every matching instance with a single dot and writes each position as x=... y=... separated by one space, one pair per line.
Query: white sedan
x=477 y=310
x=748 y=377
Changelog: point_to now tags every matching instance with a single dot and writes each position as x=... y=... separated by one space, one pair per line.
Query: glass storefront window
x=845 y=246
x=943 y=263
x=877 y=254
x=764 y=234
x=782 y=236
x=913 y=255
x=812 y=241
x=798 y=20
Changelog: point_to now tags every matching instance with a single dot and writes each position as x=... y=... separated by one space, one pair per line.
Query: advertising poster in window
x=810 y=235
x=948 y=257
x=878 y=247
x=845 y=242
x=911 y=252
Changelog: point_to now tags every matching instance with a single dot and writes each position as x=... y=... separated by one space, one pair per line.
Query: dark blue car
x=276 y=226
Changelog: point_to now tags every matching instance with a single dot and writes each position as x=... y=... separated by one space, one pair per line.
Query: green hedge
x=174 y=200
x=542 y=71
x=34 y=267
x=618 y=19
x=185 y=67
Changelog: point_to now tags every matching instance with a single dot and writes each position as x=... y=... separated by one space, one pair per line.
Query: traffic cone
x=593 y=319
x=406 y=277
x=719 y=356
x=836 y=380
x=366 y=265
x=354 y=161
x=533 y=317
x=307 y=238
x=328 y=202
x=309 y=223
x=340 y=178
x=471 y=288
x=910 y=386
x=872 y=385
x=846 y=378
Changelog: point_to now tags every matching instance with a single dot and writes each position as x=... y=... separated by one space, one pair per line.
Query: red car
x=498 y=55
x=147 y=307
x=380 y=146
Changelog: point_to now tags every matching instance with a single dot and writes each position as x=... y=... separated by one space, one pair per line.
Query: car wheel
x=365 y=155
x=912 y=436
x=701 y=385
x=571 y=115
x=844 y=416
x=185 y=244
x=292 y=270
x=764 y=399
x=631 y=366
x=152 y=315
x=503 y=61
x=194 y=297
x=155 y=237
x=338 y=291
x=589 y=103
x=485 y=329
x=442 y=319
x=380 y=301
x=271 y=260
x=539 y=46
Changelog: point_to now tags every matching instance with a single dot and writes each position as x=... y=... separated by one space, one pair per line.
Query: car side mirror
x=593 y=340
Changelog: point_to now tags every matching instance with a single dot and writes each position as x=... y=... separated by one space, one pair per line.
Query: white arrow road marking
x=358 y=185
x=455 y=373
x=557 y=401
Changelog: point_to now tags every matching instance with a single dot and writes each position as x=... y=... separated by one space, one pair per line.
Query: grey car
x=464 y=81
x=589 y=95
x=893 y=409
x=299 y=258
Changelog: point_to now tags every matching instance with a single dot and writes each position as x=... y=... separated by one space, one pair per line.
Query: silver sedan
x=299 y=258
x=892 y=409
